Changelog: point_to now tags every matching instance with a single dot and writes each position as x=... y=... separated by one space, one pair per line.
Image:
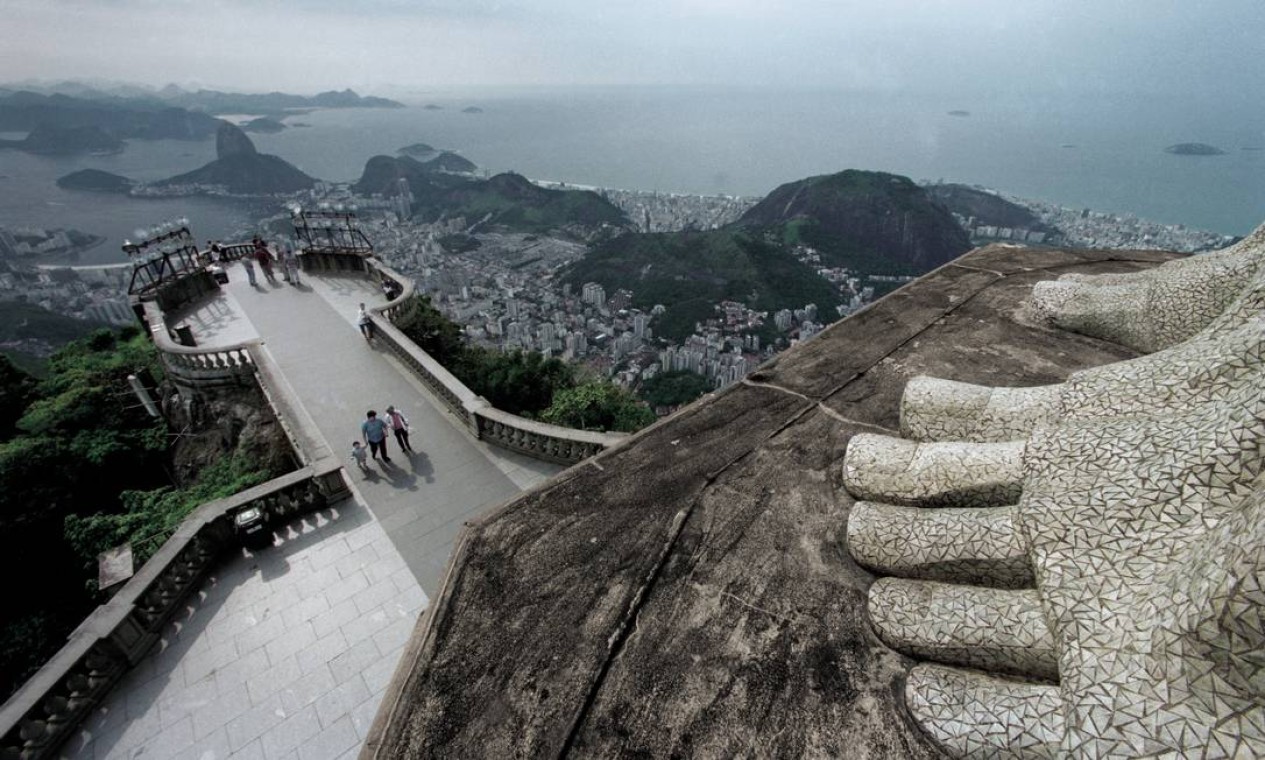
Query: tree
x=518 y=382
x=430 y=330
x=17 y=388
x=598 y=405
x=674 y=388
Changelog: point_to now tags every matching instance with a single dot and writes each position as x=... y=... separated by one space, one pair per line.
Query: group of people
x=373 y=436
x=265 y=258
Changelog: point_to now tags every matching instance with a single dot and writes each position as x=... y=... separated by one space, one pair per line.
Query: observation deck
x=286 y=652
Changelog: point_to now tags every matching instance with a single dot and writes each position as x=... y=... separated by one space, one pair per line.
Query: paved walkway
x=286 y=655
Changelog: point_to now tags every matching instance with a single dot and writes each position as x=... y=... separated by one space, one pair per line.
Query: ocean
x=1100 y=152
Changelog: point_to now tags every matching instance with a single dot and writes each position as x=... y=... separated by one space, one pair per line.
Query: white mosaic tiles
x=1117 y=608
x=1157 y=308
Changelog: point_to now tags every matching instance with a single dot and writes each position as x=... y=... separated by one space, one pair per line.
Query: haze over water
x=1096 y=152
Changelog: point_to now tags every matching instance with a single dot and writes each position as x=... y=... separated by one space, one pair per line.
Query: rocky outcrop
x=242 y=170
x=870 y=220
x=232 y=141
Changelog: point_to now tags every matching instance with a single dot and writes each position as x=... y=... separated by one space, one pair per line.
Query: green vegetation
x=83 y=468
x=518 y=382
x=150 y=517
x=674 y=388
x=506 y=201
x=510 y=201
x=521 y=382
x=597 y=405
x=690 y=272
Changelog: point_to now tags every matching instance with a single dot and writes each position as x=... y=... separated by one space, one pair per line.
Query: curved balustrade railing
x=552 y=443
x=50 y=705
x=48 y=708
x=198 y=365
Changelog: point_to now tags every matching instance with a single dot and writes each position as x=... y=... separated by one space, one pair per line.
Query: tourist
x=264 y=257
x=399 y=425
x=390 y=290
x=374 y=432
x=250 y=271
x=364 y=323
x=291 y=262
x=358 y=452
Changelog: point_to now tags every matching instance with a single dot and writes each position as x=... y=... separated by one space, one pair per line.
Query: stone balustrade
x=551 y=443
x=48 y=708
x=196 y=365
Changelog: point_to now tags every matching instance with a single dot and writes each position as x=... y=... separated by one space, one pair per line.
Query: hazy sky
x=1160 y=46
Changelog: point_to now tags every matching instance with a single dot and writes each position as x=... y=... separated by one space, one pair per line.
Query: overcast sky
x=1159 y=46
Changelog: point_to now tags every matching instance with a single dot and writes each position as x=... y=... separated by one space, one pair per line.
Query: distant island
x=95 y=180
x=265 y=124
x=1194 y=149
x=959 y=113
x=238 y=169
x=472 y=109
x=432 y=107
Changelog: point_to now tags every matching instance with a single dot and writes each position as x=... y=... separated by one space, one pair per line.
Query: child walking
x=358 y=454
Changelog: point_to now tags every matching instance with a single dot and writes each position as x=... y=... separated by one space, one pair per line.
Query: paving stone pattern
x=286 y=655
x=283 y=654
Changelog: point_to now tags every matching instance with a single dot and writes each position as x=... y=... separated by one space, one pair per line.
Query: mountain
x=871 y=221
x=29 y=333
x=512 y=202
x=216 y=102
x=242 y=170
x=987 y=208
x=49 y=140
x=689 y=272
x=96 y=180
x=381 y=172
x=121 y=118
x=447 y=161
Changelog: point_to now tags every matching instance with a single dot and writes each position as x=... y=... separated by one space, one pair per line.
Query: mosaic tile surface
x=1141 y=520
x=1157 y=308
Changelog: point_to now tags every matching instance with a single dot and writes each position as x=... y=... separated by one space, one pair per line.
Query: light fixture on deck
x=330 y=230
x=165 y=252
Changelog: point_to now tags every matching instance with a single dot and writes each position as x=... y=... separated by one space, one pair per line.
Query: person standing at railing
x=399 y=425
x=364 y=322
x=374 y=432
x=250 y=270
x=264 y=257
x=291 y=263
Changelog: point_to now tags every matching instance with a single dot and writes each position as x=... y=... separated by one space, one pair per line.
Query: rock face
x=863 y=219
x=232 y=141
x=689 y=595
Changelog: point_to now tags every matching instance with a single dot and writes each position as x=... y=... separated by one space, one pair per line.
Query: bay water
x=1104 y=152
